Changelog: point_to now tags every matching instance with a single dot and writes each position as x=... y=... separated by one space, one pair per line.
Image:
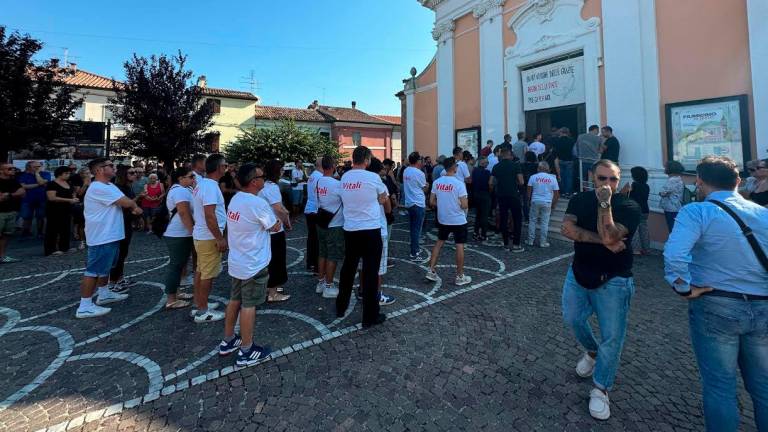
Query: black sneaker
x=252 y=356
x=379 y=320
x=226 y=348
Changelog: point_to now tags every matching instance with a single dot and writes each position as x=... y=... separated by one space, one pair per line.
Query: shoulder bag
x=748 y=233
x=324 y=217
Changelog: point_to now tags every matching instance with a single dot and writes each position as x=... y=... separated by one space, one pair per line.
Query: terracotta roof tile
x=226 y=93
x=391 y=119
x=283 y=113
x=350 y=115
x=82 y=78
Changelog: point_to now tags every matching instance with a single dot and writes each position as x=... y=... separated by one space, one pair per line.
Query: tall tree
x=163 y=111
x=34 y=100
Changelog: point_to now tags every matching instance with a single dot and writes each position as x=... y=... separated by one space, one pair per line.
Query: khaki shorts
x=208 y=259
x=251 y=292
x=331 y=243
x=7 y=223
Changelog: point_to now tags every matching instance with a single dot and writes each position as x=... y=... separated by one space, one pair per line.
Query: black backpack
x=163 y=217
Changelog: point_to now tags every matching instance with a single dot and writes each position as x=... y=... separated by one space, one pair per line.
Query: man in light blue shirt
x=709 y=261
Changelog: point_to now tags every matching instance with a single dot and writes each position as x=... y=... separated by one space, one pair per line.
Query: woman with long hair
x=278 y=272
x=123 y=179
x=61 y=198
x=178 y=235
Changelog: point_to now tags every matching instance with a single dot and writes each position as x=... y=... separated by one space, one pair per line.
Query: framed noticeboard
x=469 y=139
x=700 y=128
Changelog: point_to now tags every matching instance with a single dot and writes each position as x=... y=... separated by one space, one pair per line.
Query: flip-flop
x=178 y=304
x=184 y=296
x=277 y=298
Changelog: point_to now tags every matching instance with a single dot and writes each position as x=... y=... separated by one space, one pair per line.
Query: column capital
x=443 y=31
x=486 y=10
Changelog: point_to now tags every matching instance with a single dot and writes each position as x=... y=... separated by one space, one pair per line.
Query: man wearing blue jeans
x=414 y=185
x=709 y=261
x=600 y=282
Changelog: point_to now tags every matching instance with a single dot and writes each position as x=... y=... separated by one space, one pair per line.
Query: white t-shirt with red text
x=360 y=190
x=249 y=219
x=271 y=193
x=543 y=186
x=448 y=190
x=329 y=193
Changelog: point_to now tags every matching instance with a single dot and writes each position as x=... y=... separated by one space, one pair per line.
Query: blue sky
x=335 y=51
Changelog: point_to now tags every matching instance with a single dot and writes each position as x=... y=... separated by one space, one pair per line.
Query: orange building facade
x=673 y=78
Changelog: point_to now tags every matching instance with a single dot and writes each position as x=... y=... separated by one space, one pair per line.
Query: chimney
x=201 y=81
x=314 y=104
x=354 y=105
x=73 y=67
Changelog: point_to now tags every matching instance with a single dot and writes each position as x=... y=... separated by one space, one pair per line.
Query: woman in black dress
x=58 y=212
x=760 y=194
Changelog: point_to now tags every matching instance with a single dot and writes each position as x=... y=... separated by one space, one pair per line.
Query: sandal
x=185 y=296
x=277 y=298
x=178 y=304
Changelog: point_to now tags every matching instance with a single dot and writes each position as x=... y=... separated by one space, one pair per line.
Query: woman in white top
x=672 y=192
x=178 y=234
x=278 y=271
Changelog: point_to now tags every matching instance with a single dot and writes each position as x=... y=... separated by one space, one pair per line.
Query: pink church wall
x=466 y=69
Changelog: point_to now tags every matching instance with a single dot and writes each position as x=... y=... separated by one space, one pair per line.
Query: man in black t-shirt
x=610 y=145
x=11 y=193
x=506 y=179
x=564 y=151
x=601 y=224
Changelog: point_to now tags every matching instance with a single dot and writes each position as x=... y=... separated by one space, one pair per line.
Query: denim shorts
x=101 y=259
x=32 y=210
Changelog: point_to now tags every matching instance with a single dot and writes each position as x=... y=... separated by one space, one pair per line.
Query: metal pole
x=109 y=139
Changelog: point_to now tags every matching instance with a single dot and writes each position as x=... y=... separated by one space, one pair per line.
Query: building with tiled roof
x=264 y=112
x=389 y=118
x=231 y=94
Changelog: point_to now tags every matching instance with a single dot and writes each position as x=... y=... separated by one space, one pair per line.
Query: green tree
x=284 y=141
x=34 y=100
x=163 y=111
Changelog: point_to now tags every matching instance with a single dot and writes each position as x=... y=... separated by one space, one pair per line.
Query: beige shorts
x=208 y=259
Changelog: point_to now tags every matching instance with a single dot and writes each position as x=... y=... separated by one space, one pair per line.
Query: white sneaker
x=432 y=275
x=585 y=366
x=211 y=305
x=330 y=291
x=599 y=405
x=529 y=243
x=189 y=280
x=544 y=244
x=462 y=280
x=91 y=312
x=320 y=287
x=209 y=316
x=110 y=297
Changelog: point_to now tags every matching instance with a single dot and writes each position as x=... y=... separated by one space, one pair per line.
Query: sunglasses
x=131 y=172
x=259 y=177
x=604 y=178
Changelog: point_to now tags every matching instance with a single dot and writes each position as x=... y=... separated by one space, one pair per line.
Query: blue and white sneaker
x=385 y=300
x=252 y=356
x=227 y=348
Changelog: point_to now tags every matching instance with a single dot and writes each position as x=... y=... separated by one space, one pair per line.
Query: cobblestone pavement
x=493 y=355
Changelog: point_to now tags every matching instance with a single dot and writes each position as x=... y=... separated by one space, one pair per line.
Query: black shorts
x=459 y=233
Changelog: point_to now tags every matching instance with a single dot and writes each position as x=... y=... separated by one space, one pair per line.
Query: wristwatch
x=605 y=204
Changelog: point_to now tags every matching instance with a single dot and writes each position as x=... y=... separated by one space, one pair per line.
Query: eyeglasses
x=604 y=178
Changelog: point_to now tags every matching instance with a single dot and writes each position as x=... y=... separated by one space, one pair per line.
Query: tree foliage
x=284 y=141
x=34 y=101
x=163 y=111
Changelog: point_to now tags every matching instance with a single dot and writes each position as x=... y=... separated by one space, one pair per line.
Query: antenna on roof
x=251 y=82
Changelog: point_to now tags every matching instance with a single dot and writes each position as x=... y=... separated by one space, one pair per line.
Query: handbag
x=323 y=217
x=748 y=233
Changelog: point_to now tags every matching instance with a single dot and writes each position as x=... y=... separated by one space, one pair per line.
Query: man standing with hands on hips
x=601 y=224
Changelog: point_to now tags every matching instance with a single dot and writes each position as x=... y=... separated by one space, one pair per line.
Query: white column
x=443 y=34
x=410 y=122
x=491 y=69
x=632 y=80
x=757 y=15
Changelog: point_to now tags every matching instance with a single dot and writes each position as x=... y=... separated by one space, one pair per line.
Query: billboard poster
x=469 y=139
x=710 y=127
x=553 y=85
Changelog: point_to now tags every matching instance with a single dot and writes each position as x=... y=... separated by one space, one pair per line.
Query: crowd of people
x=714 y=257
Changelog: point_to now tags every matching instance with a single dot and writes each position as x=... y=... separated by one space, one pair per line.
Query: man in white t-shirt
x=536 y=146
x=462 y=170
x=297 y=187
x=198 y=167
x=310 y=212
x=249 y=222
x=330 y=238
x=449 y=196
x=104 y=229
x=414 y=185
x=208 y=236
x=543 y=193
x=362 y=194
